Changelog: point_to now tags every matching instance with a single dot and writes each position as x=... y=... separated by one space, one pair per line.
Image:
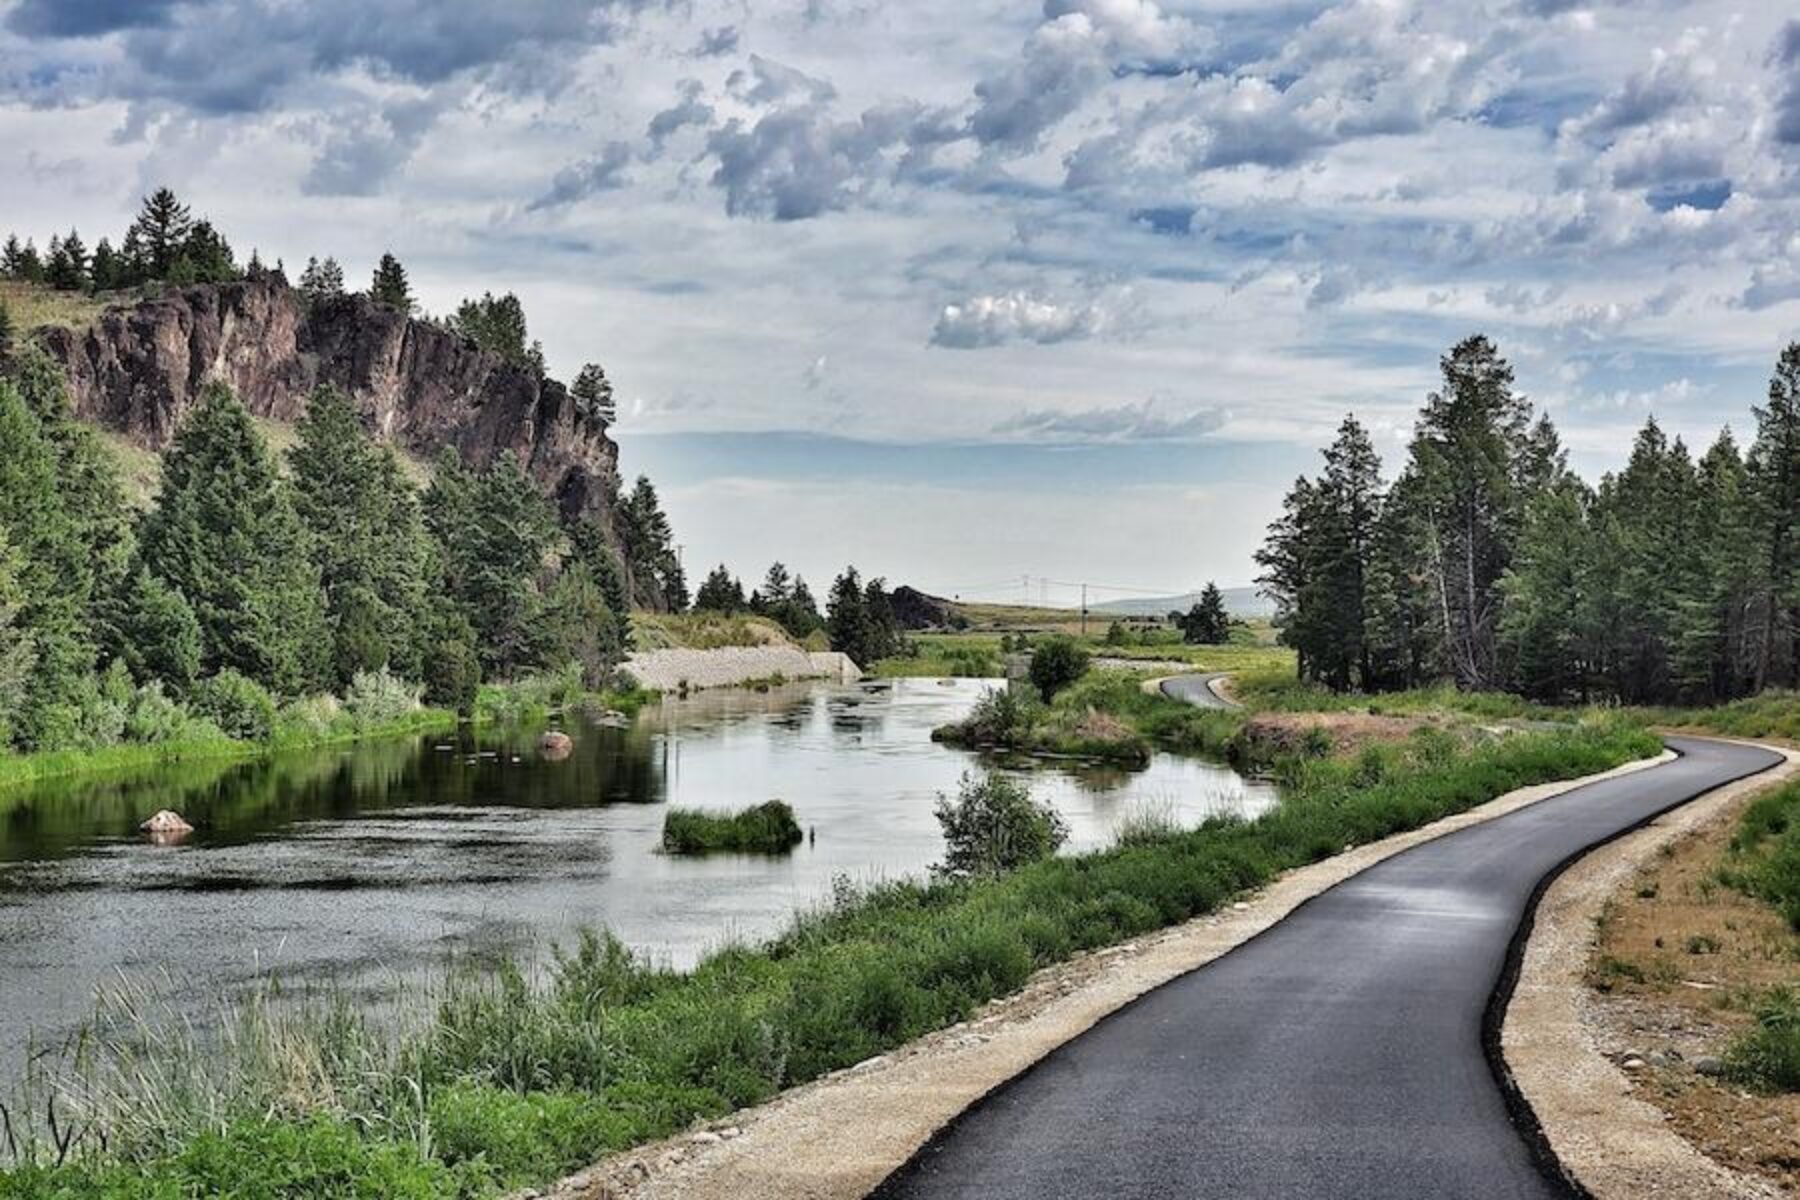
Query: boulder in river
x=166 y=826
x=555 y=745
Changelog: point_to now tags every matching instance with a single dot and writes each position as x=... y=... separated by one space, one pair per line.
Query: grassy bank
x=764 y=829
x=511 y=1079
x=317 y=722
x=982 y=655
x=1105 y=714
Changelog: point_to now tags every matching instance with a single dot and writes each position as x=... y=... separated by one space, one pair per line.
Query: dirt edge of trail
x=838 y=1137
x=1616 y=1145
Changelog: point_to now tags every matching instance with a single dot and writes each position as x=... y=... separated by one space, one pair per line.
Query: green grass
x=704 y=631
x=1773 y=714
x=763 y=829
x=1767 y=1058
x=35 y=306
x=963 y=655
x=509 y=1079
x=1763 y=859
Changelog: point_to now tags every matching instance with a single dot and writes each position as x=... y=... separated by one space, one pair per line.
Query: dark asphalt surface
x=1339 y=1055
x=1196 y=690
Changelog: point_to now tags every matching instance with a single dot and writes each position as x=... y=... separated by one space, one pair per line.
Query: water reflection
x=365 y=864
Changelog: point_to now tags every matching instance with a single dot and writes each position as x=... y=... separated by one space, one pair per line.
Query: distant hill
x=1243 y=602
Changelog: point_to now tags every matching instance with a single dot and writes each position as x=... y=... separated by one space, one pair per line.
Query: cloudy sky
x=969 y=290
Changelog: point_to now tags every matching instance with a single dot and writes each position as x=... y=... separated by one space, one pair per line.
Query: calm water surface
x=363 y=866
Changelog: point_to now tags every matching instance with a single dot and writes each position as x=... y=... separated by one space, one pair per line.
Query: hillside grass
x=704 y=631
x=506 y=1078
x=35 y=306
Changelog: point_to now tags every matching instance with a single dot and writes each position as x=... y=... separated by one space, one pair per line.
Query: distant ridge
x=1239 y=602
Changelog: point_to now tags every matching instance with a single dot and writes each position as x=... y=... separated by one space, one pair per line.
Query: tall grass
x=512 y=1078
x=763 y=829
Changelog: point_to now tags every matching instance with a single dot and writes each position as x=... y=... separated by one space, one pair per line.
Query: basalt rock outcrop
x=420 y=386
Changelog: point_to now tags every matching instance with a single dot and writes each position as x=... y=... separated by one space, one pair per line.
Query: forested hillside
x=260 y=587
x=1487 y=561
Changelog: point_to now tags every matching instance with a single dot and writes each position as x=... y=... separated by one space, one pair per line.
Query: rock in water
x=166 y=826
x=555 y=745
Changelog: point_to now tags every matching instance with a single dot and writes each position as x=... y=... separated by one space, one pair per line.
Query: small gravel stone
x=1707 y=1064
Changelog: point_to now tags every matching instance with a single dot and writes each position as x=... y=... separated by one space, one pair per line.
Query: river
x=365 y=865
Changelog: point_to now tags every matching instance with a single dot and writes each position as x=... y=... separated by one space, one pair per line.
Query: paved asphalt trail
x=1196 y=690
x=1340 y=1054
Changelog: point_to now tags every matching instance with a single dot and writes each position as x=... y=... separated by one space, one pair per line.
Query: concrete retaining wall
x=668 y=670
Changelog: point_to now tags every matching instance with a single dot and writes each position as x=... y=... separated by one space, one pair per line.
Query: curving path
x=1197 y=690
x=1343 y=1053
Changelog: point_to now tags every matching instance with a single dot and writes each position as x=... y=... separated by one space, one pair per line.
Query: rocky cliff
x=138 y=369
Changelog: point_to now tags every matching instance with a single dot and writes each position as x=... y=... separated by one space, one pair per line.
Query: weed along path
x=1348 y=1051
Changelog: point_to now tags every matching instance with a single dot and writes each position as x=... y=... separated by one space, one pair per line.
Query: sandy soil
x=836 y=1138
x=1611 y=1075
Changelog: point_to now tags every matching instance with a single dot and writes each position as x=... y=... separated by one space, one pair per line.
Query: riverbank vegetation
x=514 y=1076
x=264 y=601
x=1489 y=563
x=769 y=828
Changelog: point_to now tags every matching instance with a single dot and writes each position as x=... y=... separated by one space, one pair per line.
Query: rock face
x=914 y=609
x=418 y=385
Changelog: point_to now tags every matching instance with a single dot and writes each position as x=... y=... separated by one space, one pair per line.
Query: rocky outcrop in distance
x=420 y=386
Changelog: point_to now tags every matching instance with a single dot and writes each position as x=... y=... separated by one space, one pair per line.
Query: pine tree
x=800 y=616
x=847 y=617
x=1715 y=655
x=1546 y=596
x=367 y=536
x=390 y=285
x=591 y=549
x=158 y=636
x=496 y=530
x=108 y=271
x=223 y=532
x=1774 y=477
x=497 y=325
x=205 y=257
x=321 y=280
x=579 y=625
x=654 y=568
x=1645 y=509
x=1473 y=438
x=68 y=266
x=6 y=330
x=883 y=631
x=1207 y=623
x=161 y=231
x=1403 y=624
x=719 y=593
x=593 y=394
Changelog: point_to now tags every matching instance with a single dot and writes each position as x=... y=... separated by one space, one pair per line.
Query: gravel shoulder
x=837 y=1138
x=1561 y=1043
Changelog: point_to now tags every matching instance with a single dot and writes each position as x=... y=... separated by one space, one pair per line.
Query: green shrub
x=765 y=829
x=994 y=826
x=1768 y=1057
x=380 y=698
x=241 y=707
x=1764 y=857
x=1055 y=664
x=1001 y=717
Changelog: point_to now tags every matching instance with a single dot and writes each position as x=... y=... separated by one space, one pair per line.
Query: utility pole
x=1084 y=610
